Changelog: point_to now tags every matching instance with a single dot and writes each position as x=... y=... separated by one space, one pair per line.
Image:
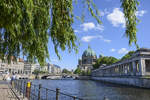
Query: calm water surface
x=93 y=90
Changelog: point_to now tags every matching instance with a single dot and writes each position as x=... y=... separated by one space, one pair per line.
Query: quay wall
x=131 y=81
x=83 y=78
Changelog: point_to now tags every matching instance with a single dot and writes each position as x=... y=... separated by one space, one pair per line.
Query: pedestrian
x=12 y=79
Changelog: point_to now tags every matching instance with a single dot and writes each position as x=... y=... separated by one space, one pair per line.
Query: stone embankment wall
x=83 y=77
x=133 y=81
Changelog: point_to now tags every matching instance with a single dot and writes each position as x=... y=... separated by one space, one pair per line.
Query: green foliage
x=110 y=60
x=128 y=55
x=23 y=29
x=104 y=60
x=27 y=25
x=36 y=72
x=77 y=71
x=83 y=73
x=66 y=71
x=89 y=72
x=129 y=9
x=91 y=5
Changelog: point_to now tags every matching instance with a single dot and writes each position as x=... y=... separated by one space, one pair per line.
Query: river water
x=94 y=90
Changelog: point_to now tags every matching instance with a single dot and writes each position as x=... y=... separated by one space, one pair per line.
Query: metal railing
x=38 y=92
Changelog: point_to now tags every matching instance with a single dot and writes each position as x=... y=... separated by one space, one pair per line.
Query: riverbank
x=83 y=77
x=130 y=81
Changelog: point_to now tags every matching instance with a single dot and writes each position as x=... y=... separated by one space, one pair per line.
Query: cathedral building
x=88 y=59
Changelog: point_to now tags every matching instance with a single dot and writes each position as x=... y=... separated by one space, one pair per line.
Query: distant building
x=15 y=66
x=28 y=68
x=37 y=66
x=44 y=68
x=54 y=69
x=19 y=66
x=88 y=59
x=138 y=65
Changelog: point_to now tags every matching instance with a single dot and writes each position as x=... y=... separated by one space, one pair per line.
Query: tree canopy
x=128 y=55
x=27 y=25
x=77 y=71
x=36 y=72
x=66 y=71
x=104 y=60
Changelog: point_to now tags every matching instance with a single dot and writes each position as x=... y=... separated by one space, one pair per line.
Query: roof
x=57 y=66
x=21 y=60
x=143 y=49
x=89 y=52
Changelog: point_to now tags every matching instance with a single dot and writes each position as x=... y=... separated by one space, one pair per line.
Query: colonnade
x=130 y=67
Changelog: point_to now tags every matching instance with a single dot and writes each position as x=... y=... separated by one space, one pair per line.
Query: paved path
x=1 y=77
x=5 y=92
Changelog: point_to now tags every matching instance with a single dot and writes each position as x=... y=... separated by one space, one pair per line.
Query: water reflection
x=93 y=90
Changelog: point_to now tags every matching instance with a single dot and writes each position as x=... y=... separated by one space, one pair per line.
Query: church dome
x=89 y=53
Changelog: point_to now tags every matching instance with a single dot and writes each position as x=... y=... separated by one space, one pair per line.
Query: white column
x=142 y=66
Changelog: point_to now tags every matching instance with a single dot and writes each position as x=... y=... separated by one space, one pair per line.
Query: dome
x=89 y=53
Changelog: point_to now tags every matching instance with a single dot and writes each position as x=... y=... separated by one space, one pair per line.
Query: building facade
x=138 y=65
x=19 y=66
x=15 y=66
x=54 y=69
x=28 y=68
x=88 y=59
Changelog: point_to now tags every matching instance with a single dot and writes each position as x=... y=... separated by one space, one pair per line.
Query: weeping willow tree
x=27 y=25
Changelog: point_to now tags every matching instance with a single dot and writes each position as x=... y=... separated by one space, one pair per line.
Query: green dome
x=89 y=53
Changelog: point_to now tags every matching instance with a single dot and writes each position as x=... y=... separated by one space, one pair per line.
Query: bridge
x=56 y=76
x=40 y=76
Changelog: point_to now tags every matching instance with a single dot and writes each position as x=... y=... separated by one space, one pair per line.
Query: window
x=131 y=67
x=147 y=65
x=89 y=61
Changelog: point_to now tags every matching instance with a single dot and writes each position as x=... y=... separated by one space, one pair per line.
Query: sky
x=107 y=39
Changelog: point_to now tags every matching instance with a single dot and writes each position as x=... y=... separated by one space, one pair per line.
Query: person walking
x=12 y=79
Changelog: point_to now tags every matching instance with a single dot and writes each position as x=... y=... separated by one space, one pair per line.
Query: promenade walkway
x=6 y=93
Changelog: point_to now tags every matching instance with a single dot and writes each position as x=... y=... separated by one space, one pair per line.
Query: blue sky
x=107 y=39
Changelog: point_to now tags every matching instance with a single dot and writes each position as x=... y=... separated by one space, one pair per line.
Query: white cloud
x=123 y=51
x=76 y=31
x=116 y=18
x=106 y=40
x=104 y=12
x=112 y=50
x=89 y=38
x=141 y=13
x=99 y=27
x=90 y=25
